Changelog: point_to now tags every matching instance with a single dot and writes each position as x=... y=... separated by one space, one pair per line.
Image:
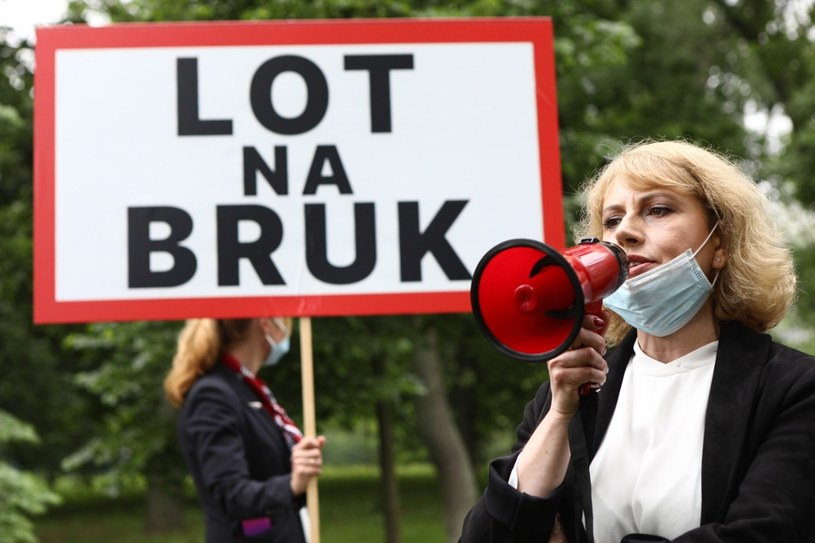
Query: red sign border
x=535 y=30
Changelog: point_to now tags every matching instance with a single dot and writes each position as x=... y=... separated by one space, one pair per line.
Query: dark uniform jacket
x=758 y=458
x=239 y=460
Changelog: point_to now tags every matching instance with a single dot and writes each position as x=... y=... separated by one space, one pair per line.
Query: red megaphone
x=530 y=300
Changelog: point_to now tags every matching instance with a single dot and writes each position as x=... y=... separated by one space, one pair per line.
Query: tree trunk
x=165 y=507
x=389 y=483
x=164 y=511
x=440 y=434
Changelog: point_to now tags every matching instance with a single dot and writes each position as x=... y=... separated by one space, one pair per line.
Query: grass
x=349 y=512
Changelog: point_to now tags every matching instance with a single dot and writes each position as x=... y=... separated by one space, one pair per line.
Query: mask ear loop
x=715 y=226
x=716 y=277
x=280 y=324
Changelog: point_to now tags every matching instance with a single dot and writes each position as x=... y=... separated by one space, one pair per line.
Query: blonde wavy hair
x=201 y=343
x=758 y=283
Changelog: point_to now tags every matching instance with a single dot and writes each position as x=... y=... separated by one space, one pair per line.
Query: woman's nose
x=628 y=232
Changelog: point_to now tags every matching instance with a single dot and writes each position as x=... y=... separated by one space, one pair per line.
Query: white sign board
x=298 y=168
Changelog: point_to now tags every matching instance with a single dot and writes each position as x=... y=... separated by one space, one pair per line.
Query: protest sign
x=299 y=168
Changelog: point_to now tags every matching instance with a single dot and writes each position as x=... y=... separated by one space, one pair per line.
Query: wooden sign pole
x=309 y=420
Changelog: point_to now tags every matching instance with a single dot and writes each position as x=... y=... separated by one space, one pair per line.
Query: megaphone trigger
x=529 y=300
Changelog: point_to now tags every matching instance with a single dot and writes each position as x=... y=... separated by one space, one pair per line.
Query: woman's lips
x=638 y=266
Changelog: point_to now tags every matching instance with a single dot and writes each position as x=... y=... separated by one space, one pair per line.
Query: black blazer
x=239 y=460
x=758 y=458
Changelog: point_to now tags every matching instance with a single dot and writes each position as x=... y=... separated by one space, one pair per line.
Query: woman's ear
x=276 y=327
x=266 y=326
x=719 y=259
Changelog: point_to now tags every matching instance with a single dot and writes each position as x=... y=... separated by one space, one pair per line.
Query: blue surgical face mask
x=277 y=350
x=663 y=300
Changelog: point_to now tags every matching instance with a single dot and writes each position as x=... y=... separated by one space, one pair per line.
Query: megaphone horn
x=529 y=300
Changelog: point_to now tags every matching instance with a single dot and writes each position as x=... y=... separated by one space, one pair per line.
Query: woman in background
x=250 y=463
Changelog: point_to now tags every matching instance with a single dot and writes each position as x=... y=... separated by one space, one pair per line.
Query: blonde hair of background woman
x=200 y=345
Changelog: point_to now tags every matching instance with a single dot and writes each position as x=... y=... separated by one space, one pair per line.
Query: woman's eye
x=611 y=223
x=659 y=211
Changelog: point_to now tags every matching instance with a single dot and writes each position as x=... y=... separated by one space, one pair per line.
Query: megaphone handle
x=593 y=308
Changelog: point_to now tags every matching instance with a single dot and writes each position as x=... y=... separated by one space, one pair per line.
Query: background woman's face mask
x=664 y=299
x=277 y=350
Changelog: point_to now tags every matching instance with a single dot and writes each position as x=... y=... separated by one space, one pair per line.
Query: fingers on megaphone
x=583 y=368
x=591 y=335
x=598 y=323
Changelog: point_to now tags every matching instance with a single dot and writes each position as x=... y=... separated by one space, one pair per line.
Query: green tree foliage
x=23 y=494
x=136 y=436
x=35 y=385
x=780 y=64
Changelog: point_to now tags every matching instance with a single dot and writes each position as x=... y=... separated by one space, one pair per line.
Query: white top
x=647 y=474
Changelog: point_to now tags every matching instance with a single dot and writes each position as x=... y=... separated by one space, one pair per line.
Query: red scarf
x=290 y=431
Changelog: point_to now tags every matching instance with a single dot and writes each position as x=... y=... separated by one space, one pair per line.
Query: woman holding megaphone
x=704 y=427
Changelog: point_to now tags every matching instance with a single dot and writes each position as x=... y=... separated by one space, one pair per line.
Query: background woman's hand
x=306 y=463
x=583 y=363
